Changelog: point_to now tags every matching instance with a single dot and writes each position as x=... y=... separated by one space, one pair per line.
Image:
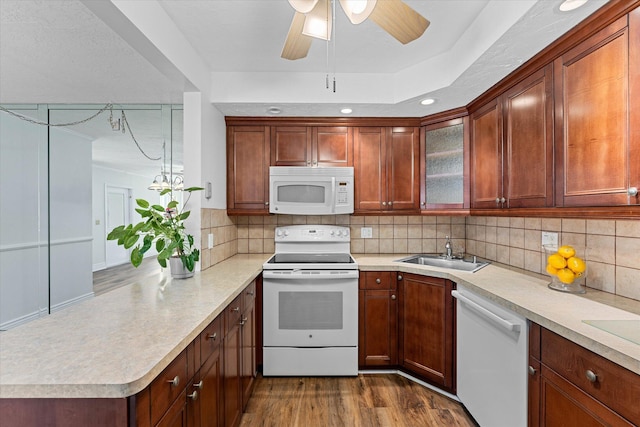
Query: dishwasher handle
x=509 y=326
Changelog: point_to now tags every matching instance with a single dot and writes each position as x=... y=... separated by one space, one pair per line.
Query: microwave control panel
x=342 y=192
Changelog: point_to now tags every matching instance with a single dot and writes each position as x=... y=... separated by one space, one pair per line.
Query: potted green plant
x=164 y=227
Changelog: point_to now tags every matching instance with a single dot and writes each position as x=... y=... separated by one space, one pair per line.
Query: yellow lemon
x=566 y=276
x=552 y=270
x=577 y=265
x=566 y=251
x=557 y=261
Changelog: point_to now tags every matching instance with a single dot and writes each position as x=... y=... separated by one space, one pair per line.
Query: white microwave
x=299 y=190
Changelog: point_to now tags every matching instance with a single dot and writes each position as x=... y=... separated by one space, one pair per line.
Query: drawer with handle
x=378 y=280
x=210 y=338
x=168 y=386
x=609 y=383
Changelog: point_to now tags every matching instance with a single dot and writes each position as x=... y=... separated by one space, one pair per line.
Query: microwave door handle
x=333 y=194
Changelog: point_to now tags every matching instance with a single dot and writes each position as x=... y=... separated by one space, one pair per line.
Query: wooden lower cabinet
x=573 y=386
x=378 y=319
x=239 y=355
x=407 y=321
x=426 y=328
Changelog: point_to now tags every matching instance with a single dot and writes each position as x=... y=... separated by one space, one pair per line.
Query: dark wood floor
x=367 y=400
x=120 y=275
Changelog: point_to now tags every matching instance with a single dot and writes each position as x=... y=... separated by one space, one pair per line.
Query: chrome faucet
x=447 y=247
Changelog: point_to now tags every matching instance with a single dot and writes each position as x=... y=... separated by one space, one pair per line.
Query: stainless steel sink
x=437 y=260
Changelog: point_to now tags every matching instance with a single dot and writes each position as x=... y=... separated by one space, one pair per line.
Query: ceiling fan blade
x=399 y=20
x=296 y=45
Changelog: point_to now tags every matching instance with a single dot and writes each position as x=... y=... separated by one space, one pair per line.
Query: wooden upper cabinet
x=311 y=146
x=444 y=163
x=386 y=164
x=290 y=146
x=370 y=168
x=403 y=173
x=248 y=169
x=512 y=146
x=597 y=164
x=528 y=137
x=486 y=156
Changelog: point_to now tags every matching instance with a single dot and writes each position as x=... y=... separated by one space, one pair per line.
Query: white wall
x=103 y=177
x=204 y=158
x=23 y=220
x=71 y=278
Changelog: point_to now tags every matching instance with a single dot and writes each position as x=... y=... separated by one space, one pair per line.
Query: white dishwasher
x=492 y=361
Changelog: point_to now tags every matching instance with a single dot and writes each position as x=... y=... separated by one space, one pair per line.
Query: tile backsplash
x=611 y=247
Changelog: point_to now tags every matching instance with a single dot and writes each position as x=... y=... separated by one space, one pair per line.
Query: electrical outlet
x=210 y=240
x=366 y=232
x=549 y=238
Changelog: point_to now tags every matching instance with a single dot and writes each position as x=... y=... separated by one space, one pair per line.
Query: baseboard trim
x=410 y=378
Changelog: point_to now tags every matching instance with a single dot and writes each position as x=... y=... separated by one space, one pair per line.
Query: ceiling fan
x=313 y=19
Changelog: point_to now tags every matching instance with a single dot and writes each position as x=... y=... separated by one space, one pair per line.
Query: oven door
x=310 y=308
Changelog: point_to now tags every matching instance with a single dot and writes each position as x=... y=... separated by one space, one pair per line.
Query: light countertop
x=529 y=295
x=115 y=344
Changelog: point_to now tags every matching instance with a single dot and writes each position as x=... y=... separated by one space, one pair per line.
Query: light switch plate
x=210 y=240
x=366 y=232
x=549 y=238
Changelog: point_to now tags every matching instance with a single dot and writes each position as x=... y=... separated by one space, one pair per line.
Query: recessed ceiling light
x=427 y=101
x=568 y=5
x=274 y=110
x=346 y=111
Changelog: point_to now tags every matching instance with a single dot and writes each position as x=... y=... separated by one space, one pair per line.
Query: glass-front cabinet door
x=444 y=165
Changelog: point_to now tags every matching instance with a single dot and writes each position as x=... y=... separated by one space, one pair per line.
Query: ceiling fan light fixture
x=358 y=10
x=303 y=6
x=317 y=23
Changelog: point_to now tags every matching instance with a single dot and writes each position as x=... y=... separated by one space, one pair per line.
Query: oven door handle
x=310 y=274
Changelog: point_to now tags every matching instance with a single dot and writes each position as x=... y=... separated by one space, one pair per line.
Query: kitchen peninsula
x=115 y=345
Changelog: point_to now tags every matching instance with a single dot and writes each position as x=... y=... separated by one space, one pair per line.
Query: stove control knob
x=286 y=233
x=333 y=232
x=339 y=233
x=346 y=233
x=279 y=233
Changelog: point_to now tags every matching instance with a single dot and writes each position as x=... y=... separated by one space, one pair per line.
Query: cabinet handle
x=532 y=370
x=497 y=200
x=384 y=203
x=315 y=162
x=243 y=321
x=250 y=293
x=194 y=395
x=393 y=296
x=422 y=204
x=399 y=276
x=591 y=376
x=378 y=281
x=632 y=191
x=198 y=385
x=175 y=381
x=235 y=309
x=266 y=203
x=503 y=200
x=212 y=336
x=308 y=163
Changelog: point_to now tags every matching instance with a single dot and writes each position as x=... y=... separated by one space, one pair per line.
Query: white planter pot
x=178 y=270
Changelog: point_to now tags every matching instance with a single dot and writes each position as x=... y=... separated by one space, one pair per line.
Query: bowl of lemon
x=567 y=269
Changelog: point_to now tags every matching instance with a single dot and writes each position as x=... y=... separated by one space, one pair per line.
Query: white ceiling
x=60 y=51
